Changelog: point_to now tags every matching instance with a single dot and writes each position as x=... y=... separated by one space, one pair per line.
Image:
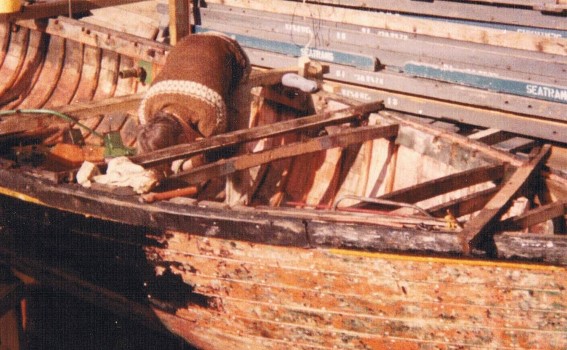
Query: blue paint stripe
x=514 y=87
x=368 y=63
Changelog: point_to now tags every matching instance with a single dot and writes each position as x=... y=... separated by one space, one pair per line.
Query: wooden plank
x=104 y=38
x=364 y=62
x=490 y=136
x=478 y=229
x=519 y=124
x=341 y=139
x=455 y=31
x=241 y=136
x=392 y=48
x=107 y=106
x=534 y=216
x=547 y=92
x=446 y=184
x=179 y=20
x=521 y=15
x=400 y=83
x=464 y=205
x=537 y=247
x=62 y=7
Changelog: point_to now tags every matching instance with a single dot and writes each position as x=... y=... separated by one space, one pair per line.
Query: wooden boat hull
x=219 y=292
x=259 y=277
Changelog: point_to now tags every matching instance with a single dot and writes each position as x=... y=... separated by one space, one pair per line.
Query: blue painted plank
x=363 y=62
x=515 y=87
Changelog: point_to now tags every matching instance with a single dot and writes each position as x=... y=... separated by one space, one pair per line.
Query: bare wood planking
x=478 y=229
x=68 y=82
x=93 y=35
x=342 y=139
x=5 y=35
x=108 y=75
x=446 y=184
x=409 y=25
x=49 y=76
x=89 y=76
x=15 y=58
x=29 y=72
x=241 y=136
x=464 y=205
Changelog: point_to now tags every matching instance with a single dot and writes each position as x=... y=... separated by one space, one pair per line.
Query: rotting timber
x=361 y=241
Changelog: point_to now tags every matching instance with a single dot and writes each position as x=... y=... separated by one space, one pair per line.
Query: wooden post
x=179 y=20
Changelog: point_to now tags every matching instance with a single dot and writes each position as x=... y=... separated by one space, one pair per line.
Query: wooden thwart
x=478 y=228
x=342 y=139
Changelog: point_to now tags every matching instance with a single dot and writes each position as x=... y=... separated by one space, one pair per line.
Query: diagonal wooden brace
x=480 y=228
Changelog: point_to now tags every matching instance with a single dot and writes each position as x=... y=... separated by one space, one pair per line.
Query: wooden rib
x=68 y=82
x=49 y=76
x=478 y=229
x=15 y=58
x=4 y=40
x=126 y=86
x=343 y=139
x=464 y=205
x=29 y=73
x=108 y=75
x=89 y=75
x=534 y=216
x=241 y=136
x=446 y=184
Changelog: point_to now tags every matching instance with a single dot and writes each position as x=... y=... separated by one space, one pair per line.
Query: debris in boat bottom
x=120 y=172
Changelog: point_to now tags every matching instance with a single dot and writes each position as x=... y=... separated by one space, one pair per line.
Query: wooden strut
x=341 y=139
x=241 y=136
x=61 y=8
x=480 y=228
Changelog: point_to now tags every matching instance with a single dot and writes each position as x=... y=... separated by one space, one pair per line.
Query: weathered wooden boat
x=336 y=225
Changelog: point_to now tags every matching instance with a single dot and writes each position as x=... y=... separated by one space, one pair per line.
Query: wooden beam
x=103 y=107
x=464 y=205
x=61 y=8
x=446 y=184
x=457 y=31
x=534 y=216
x=549 y=249
x=241 y=136
x=491 y=136
x=341 y=139
x=478 y=230
x=179 y=20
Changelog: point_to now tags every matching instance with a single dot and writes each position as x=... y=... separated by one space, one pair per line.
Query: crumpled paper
x=120 y=172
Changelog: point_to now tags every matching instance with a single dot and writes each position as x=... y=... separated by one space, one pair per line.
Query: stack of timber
x=492 y=74
x=351 y=218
